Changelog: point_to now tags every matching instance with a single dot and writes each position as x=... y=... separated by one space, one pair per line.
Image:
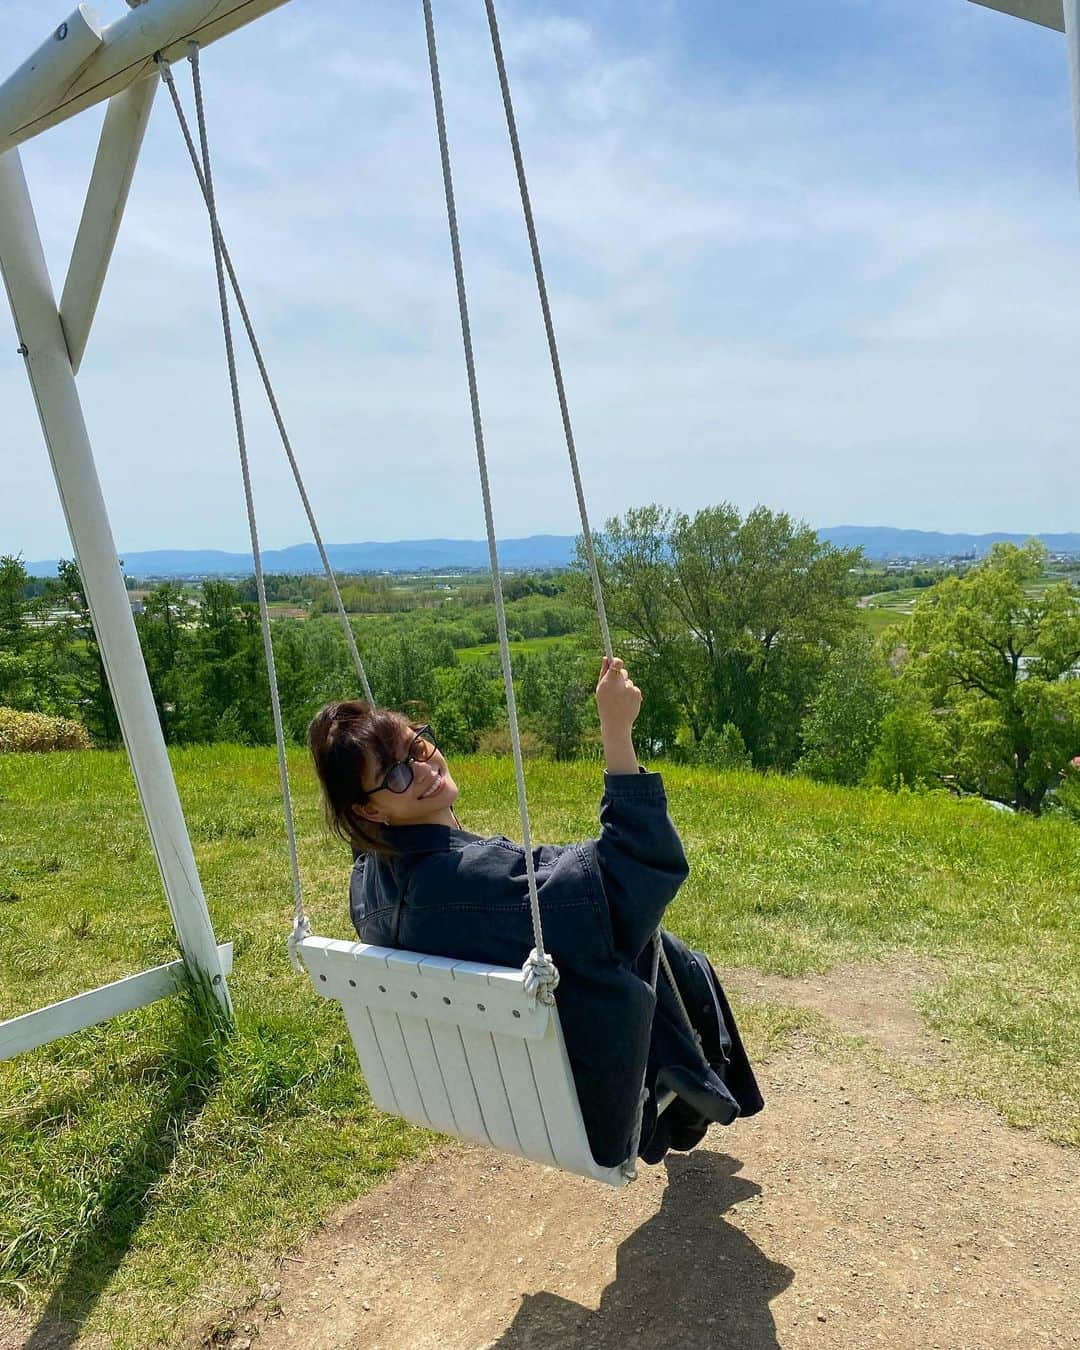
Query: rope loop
x=541 y=977
x=301 y=930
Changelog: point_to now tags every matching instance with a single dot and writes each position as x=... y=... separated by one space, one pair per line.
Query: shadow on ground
x=685 y=1278
x=187 y=1074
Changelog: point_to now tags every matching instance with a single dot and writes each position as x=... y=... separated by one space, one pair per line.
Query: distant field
x=145 y=1164
x=877 y=620
x=904 y=597
x=540 y=644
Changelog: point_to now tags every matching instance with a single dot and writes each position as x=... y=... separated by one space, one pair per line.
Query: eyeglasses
x=399 y=779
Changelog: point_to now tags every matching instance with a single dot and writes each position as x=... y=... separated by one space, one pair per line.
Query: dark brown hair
x=343 y=737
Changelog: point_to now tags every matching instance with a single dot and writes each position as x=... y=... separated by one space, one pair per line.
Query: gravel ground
x=850 y=1213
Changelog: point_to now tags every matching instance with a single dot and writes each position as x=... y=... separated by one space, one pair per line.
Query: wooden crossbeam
x=32 y=1029
x=125 y=55
x=1049 y=13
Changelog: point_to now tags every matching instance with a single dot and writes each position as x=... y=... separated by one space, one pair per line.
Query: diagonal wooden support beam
x=48 y=367
x=19 y=1034
x=106 y=197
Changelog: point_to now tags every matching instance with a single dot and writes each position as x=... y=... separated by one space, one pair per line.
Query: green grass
x=875 y=621
x=539 y=644
x=147 y=1167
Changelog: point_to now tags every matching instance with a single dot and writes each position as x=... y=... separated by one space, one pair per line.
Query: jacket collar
x=426 y=838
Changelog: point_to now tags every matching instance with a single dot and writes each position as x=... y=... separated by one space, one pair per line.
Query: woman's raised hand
x=618 y=699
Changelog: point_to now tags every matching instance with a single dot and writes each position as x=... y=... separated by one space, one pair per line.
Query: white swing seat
x=460 y=1048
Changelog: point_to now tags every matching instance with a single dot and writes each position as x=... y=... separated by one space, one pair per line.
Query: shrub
x=496 y=742
x=912 y=752
x=843 y=725
x=22 y=731
x=1067 y=796
x=724 y=749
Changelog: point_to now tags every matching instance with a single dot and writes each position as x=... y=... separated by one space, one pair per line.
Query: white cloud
x=850 y=299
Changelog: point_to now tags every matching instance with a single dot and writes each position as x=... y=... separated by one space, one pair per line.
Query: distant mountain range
x=403 y=555
x=538 y=550
x=882 y=541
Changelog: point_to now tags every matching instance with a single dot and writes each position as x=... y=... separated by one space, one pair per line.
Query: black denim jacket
x=455 y=894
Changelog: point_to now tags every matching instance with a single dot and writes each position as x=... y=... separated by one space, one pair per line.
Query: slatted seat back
x=458 y=1047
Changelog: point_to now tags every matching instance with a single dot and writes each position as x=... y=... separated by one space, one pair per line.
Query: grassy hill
x=144 y=1163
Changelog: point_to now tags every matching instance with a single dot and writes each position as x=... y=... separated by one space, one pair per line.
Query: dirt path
x=849 y=1214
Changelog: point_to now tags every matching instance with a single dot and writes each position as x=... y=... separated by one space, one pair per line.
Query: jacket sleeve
x=639 y=857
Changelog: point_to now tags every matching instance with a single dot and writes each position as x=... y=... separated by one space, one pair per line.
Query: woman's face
x=427 y=799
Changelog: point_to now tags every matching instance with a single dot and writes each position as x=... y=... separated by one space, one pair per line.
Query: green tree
x=18 y=669
x=227 y=696
x=912 y=748
x=163 y=634
x=37 y=655
x=998 y=654
x=467 y=703
x=556 y=689
x=401 y=670
x=735 y=615
x=657 y=727
x=843 y=725
x=723 y=749
x=76 y=643
x=14 y=605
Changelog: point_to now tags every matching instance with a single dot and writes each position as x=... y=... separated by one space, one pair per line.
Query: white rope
x=549 y=327
x=256 y=350
x=241 y=445
x=540 y=973
x=663 y=958
x=564 y=408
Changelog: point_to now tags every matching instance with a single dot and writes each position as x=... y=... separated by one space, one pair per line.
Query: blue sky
x=821 y=254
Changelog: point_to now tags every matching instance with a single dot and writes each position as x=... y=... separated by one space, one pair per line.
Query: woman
x=423 y=883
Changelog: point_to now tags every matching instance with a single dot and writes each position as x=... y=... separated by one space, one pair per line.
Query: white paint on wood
x=416 y=1033
x=562 y=1113
x=118 y=149
x=370 y=1056
x=483 y=997
x=517 y=1075
x=126 y=55
x=450 y=1053
x=19 y=1034
x=52 y=380
x=439 y=1044
x=486 y=1074
x=47 y=72
x=468 y=1112
x=395 y=1054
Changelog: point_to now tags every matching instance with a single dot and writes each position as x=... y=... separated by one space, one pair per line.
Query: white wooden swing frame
x=79 y=65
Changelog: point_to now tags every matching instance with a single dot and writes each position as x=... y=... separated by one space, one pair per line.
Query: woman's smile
x=435 y=788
